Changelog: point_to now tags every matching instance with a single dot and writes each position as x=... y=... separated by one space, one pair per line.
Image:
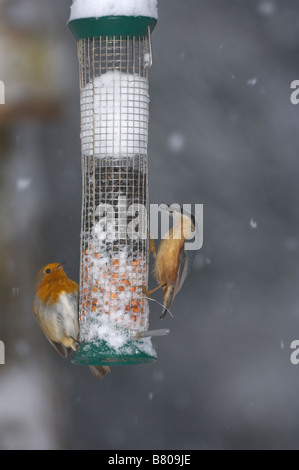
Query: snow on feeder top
x=93 y=18
x=114 y=51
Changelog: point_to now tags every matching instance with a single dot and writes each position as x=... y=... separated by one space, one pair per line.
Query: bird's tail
x=99 y=371
x=167 y=299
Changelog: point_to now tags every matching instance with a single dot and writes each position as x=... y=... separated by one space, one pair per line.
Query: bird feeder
x=114 y=57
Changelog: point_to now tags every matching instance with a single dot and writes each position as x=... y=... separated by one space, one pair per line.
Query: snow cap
x=100 y=8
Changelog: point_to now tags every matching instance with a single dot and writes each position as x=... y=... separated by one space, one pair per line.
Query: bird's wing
x=186 y=259
x=59 y=348
x=168 y=298
x=35 y=306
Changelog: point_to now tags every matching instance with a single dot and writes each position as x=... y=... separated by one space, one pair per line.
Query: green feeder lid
x=99 y=353
x=131 y=26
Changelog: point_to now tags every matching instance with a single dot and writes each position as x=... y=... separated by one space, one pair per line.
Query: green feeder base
x=99 y=353
x=124 y=26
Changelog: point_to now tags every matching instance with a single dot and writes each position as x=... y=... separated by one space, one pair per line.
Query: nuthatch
x=56 y=308
x=172 y=261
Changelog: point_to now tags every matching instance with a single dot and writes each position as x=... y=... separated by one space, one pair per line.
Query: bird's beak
x=172 y=211
x=164 y=207
x=61 y=264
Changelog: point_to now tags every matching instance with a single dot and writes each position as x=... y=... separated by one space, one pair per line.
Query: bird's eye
x=48 y=271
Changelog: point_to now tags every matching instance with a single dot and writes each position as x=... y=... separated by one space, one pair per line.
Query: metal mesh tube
x=114 y=231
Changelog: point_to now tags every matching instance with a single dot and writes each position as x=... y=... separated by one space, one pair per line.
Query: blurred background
x=224 y=133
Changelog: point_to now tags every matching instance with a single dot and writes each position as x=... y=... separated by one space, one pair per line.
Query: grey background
x=224 y=133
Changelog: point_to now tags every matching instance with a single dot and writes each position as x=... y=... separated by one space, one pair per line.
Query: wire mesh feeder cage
x=114 y=56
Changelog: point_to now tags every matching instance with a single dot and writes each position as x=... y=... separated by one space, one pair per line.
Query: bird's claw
x=145 y=291
x=76 y=344
x=152 y=247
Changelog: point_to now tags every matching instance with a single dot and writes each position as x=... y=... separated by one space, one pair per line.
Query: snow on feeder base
x=114 y=56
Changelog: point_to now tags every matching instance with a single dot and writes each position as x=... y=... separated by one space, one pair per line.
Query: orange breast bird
x=56 y=309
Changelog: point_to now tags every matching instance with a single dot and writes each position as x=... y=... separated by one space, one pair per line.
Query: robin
x=56 y=309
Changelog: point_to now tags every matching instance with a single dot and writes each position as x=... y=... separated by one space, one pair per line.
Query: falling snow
x=253 y=224
x=23 y=183
x=291 y=244
x=176 y=142
x=252 y=81
x=266 y=8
